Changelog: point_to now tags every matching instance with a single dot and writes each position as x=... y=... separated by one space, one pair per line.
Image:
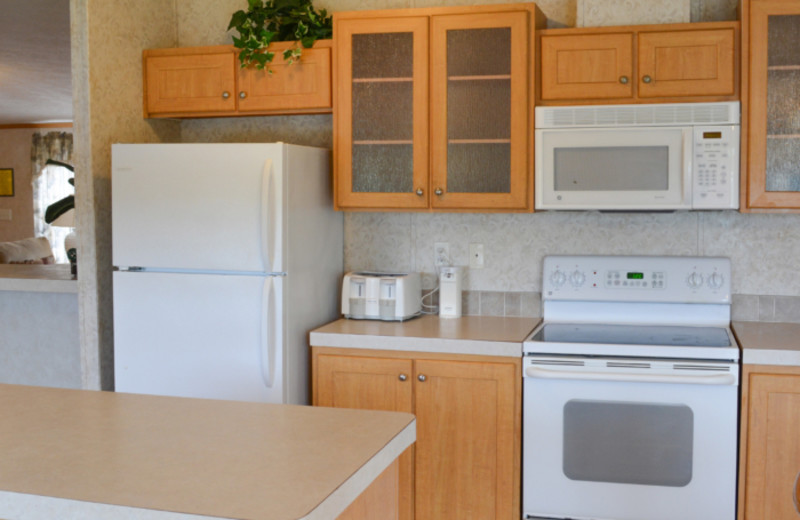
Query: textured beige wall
x=15 y=152
x=108 y=37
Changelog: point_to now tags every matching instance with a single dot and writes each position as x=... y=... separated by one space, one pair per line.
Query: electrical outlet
x=476 y=256
x=441 y=254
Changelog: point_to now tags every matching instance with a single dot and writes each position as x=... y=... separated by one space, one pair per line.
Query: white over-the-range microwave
x=660 y=157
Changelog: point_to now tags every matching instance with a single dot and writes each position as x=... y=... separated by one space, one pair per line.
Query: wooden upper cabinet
x=209 y=82
x=769 y=480
x=640 y=64
x=771 y=106
x=586 y=66
x=196 y=83
x=433 y=108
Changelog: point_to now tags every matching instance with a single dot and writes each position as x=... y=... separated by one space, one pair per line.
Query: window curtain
x=50 y=184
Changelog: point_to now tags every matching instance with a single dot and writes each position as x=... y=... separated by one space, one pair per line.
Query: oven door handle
x=715 y=379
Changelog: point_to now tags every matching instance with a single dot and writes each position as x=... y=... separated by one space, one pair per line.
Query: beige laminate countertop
x=483 y=335
x=54 y=278
x=85 y=455
x=768 y=343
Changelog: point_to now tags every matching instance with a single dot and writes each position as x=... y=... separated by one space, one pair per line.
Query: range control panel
x=668 y=279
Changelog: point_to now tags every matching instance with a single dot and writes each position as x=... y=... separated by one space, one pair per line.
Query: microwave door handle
x=715 y=379
x=688 y=172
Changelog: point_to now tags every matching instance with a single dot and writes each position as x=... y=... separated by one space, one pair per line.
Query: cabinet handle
x=420 y=192
x=647 y=79
x=226 y=95
x=796 y=493
x=623 y=80
x=242 y=94
x=402 y=377
x=438 y=191
x=422 y=378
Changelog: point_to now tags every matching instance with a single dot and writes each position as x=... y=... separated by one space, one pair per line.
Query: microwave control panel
x=715 y=179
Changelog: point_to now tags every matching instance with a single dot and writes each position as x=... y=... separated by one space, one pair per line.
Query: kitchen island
x=76 y=454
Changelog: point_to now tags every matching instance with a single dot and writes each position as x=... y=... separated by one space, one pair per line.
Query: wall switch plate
x=441 y=254
x=5 y=214
x=476 y=256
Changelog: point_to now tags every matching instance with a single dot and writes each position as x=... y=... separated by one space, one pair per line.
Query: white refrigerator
x=225 y=257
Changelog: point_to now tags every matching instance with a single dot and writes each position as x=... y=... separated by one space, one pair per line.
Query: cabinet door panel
x=194 y=83
x=381 y=120
x=480 y=71
x=465 y=440
x=773 y=450
x=371 y=384
x=687 y=63
x=774 y=106
x=305 y=84
x=588 y=66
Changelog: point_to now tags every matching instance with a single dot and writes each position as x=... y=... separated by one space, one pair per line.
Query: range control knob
x=716 y=280
x=558 y=278
x=695 y=280
x=577 y=278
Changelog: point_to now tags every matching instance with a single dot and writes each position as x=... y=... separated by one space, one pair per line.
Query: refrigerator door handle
x=268 y=332
x=271 y=217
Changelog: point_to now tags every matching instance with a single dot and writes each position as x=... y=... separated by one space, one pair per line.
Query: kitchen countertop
x=483 y=335
x=88 y=454
x=54 y=278
x=768 y=343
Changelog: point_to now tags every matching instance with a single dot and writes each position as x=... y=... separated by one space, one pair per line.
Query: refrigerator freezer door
x=208 y=207
x=199 y=335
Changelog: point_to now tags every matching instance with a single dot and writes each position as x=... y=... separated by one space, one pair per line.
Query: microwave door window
x=617 y=168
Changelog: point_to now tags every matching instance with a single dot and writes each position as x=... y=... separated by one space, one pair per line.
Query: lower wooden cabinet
x=466 y=461
x=769 y=476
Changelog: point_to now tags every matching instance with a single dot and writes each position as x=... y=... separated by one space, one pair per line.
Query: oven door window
x=628 y=443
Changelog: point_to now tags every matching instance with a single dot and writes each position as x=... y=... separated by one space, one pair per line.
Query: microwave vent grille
x=676 y=114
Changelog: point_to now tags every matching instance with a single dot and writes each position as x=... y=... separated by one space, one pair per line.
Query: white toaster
x=381 y=296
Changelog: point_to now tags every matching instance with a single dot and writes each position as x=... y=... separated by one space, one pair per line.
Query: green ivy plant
x=277 y=20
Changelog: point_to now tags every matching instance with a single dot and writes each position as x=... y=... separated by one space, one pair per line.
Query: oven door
x=629 y=439
x=645 y=168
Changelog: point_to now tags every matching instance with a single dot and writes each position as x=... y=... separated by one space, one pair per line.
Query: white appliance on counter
x=226 y=256
x=630 y=391
x=371 y=295
x=659 y=157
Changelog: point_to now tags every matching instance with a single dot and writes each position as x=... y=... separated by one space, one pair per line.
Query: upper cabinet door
x=381 y=117
x=480 y=69
x=687 y=63
x=587 y=66
x=302 y=86
x=189 y=82
x=773 y=135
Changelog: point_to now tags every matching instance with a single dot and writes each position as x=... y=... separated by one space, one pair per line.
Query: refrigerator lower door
x=199 y=335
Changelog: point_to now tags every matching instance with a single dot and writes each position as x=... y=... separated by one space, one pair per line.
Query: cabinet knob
x=647 y=79
x=420 y=192
x=402 y=377
x=623 y=80
x=422 y=377
x=242 y=94
x=226 y=95
x=438 y=191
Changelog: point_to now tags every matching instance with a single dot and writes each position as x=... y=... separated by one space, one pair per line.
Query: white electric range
x=630 y=384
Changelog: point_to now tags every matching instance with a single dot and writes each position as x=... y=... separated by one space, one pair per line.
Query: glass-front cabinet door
x=774 y=106
x=381 y=119
x=479 y=111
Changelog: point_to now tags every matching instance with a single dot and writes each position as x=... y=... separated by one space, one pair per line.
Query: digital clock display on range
x=635 y=276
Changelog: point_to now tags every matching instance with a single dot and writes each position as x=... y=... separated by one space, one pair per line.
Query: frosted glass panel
x=635 y=168
x=478 y=168
x=783 y=104
x=628 y=443
x=384 y=55
x=383 y=111
x=479 y=52
x=479 y=109
x=383 y=168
